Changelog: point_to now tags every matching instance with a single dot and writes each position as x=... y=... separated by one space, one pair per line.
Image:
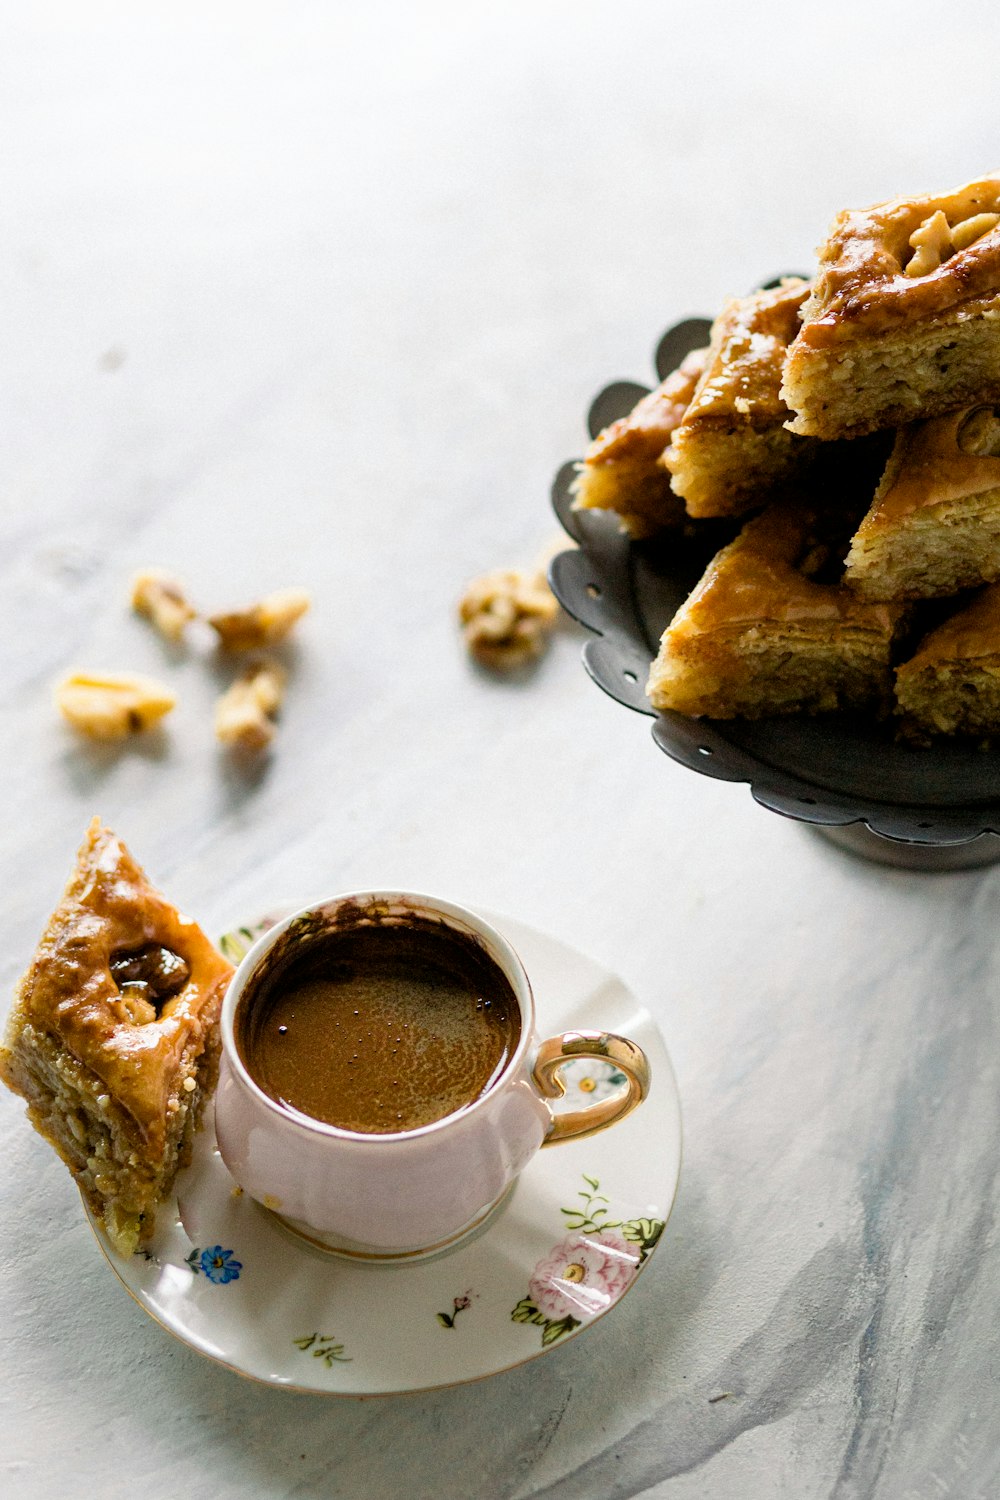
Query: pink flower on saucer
x=583 y=1276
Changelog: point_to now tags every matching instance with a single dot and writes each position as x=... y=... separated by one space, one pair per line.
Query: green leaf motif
x=644 y=1233
x=445 y=1321
x=237 y=944
x=555 y=1330
x=527 y=1312
x=326 y=1348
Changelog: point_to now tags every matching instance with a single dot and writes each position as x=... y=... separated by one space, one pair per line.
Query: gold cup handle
x=625 y=1055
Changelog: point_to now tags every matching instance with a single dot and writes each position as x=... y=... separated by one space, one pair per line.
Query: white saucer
x=226 y=1278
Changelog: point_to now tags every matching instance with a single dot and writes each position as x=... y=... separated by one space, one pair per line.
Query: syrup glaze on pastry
x=621 y=469
x=934 y=524
x=862 y=285
x=113 y=1038
x=732 y=449
x=770 y=629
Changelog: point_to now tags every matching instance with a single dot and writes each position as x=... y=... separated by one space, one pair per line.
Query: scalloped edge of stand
x=593 y=585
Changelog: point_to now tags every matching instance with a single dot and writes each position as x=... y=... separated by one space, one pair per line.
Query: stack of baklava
x=850 y=420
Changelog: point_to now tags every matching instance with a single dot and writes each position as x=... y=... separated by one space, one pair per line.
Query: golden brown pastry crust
x=927 y=467
x=861 y=288
x=109 y=908
x=649 y=426
x=972 y=633
x=621 y=469
x=762 y=635
x=742 y=378
x=951 y=685
x=732 y=450
x=760 y=577
x=934 y=525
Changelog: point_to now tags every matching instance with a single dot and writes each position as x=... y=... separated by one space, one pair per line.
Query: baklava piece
x=934 y=526
x=114 y=1038
x=732 y=448
x=770 y=629
x=903 y=319
x=621 y=470
x=952 y=683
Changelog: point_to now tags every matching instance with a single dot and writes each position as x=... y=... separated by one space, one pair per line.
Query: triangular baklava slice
x=621 y=470
x=771 y=629
x=951 y=685
x=114 y=1037
x=902 y=320
x=934 y=525
x=732 y=449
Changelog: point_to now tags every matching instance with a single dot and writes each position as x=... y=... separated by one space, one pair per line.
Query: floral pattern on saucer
x=588 y=1271
x=323 y=1346
x=220 y=1266
x=237 y=942
x=267 y=1305
x=458 y=1305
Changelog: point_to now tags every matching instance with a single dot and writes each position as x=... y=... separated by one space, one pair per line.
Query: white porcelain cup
x=414 y=1192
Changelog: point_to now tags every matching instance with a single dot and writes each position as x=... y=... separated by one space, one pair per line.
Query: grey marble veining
x=316 y=294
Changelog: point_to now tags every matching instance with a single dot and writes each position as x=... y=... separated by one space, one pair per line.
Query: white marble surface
x=318 y=294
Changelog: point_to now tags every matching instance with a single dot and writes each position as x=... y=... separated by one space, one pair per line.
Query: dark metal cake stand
x=844 y=775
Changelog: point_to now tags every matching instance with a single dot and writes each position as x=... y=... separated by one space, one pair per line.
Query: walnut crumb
x=244 y=715
x=507 y=616
x=110 y=706
x=261 y=624
x=160 y=597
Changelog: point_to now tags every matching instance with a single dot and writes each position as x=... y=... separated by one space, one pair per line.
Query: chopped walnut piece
x=134 y=1006
x=109 y=706
x=262 y=624
x=160 y=597
x=970 y=230
x=244 y=715
x=936 y=240
x=507 y=616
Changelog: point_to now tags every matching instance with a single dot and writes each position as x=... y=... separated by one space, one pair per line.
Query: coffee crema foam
x=379 y=1028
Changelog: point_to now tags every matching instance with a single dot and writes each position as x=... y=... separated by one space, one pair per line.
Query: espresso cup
x=382 y=1193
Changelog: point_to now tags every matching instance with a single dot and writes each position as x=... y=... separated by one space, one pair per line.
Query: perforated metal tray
x=922 y=808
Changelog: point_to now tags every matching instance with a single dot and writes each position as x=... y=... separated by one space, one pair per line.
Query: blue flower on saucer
x=219 y=1265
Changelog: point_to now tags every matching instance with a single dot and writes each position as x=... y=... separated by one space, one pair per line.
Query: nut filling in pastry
x=113 y=1039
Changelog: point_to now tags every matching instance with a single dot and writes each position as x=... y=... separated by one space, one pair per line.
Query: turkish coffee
x=379 y=1027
